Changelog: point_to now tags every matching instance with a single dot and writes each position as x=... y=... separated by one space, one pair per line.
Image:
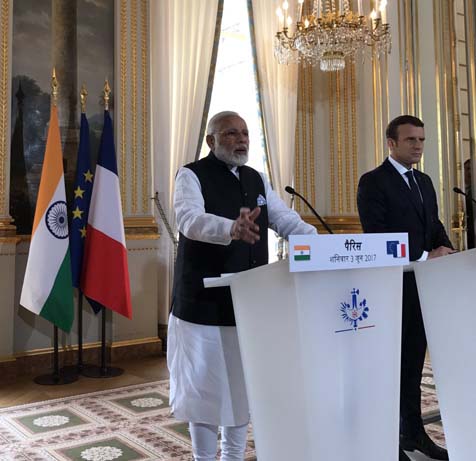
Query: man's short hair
x=214 y=123
x=392 y=128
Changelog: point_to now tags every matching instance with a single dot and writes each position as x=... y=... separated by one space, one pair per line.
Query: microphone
x=459 y=191
x=291 y=191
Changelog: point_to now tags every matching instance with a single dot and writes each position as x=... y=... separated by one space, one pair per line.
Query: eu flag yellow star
x=77 y=213
x=78 y=192
x=83 y=231
x=88 y=176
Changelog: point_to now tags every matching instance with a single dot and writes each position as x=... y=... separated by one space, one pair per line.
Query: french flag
x=105 y=274
x=396 y=249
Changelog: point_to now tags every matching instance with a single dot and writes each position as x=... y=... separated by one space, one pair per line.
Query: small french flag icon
x=396 y=249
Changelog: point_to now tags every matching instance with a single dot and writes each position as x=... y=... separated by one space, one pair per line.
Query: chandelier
x=332 y=33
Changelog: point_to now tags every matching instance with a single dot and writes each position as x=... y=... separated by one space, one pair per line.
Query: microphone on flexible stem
x=459 y=191
x=291 y=191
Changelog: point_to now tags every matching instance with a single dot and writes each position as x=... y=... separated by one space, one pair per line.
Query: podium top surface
x=226 y=279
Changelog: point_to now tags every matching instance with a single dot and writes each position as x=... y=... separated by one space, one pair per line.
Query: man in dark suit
x=396 y=198
x=469 y=205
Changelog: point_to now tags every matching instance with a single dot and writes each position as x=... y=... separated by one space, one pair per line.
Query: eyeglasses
x=234 y=134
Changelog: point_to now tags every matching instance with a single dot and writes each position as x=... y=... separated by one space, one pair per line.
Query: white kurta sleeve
x=281 y=218
x=192 y=220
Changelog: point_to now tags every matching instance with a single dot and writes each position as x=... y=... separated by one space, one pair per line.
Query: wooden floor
x=137 y=371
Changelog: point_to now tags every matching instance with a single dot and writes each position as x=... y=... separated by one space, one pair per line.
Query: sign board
x=347 y=251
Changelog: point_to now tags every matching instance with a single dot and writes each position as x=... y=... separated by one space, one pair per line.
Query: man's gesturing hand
x=244 y=228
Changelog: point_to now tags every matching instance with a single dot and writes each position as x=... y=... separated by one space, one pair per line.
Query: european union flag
x=392 y=247
x=83 y=187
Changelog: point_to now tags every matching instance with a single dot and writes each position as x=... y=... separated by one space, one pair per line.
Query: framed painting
x=77 y=38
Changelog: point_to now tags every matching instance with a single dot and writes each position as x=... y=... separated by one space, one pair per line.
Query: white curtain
x=278 y=89
x=182 y=36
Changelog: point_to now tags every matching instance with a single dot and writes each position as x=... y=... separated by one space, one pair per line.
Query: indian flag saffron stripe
x=302 y=248
x=47 y=287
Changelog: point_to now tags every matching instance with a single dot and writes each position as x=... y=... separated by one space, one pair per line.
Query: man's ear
x=210 y=141
x=391 y=143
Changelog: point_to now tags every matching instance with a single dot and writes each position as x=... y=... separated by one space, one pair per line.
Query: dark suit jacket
x=386 y=204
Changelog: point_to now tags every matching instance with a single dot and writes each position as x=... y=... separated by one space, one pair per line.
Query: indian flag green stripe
x=302 y=257
x=60 y=295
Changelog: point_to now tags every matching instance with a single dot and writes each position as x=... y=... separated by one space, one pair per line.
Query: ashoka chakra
x=57 y=219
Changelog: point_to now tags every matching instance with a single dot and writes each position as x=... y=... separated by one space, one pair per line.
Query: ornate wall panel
x=305 y=181
x=6 y=227
x=465 y=91
x=133 y=122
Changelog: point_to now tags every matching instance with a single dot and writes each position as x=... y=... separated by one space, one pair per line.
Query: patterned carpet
x=129 y=423
x=430 y=405
x=125 y=424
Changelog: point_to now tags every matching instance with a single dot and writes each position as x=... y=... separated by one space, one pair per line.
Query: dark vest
x=224 y=194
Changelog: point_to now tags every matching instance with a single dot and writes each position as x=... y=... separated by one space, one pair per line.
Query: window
x=235 y=87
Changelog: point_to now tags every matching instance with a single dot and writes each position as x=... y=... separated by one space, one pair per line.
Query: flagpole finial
x=83 y=95
x=107 y=92
x=54 y=87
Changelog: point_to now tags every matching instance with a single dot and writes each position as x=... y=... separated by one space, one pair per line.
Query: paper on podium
x=321 y=380
x=212 y=282
x=446 y=291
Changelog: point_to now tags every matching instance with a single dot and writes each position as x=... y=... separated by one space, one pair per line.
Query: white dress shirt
x=206 y=377
x=403 y=170
x=195 y=224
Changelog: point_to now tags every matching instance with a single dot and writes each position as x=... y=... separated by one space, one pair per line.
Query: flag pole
x=56 y=377
x=83 y=94
x=78 y=368
x=80 y=363
x=103 y=370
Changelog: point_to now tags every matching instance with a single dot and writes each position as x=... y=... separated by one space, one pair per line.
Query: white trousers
x=204 y=442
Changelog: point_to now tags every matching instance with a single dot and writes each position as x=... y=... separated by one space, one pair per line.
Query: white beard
x=231 y=158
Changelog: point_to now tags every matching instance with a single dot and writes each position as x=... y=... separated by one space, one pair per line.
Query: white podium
x=446 y=291
x=322 y=384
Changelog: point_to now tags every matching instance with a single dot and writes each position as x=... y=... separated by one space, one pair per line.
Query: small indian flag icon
x=302 y=252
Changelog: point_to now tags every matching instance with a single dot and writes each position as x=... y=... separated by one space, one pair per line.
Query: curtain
x=278 y=92
x=182 y=41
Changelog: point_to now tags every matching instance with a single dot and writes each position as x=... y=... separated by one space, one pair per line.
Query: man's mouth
x=241 y=151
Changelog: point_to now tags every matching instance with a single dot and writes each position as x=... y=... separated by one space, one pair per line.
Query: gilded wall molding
x=401 y=57
x=144 y=15
x=338 y=105
x=4 y=102
x=297 y=144
x=353 y=112
x=305 y=160
x=331 y=85
x=342 y=159
x=347 y=156
x=134 y=118
x=312 y=127
x=470 y=19
x=409 y=57
x=123 y=92
x=6 y=226
x=133 y=99
x=141 y=227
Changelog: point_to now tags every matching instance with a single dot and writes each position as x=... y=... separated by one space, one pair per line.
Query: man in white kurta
x=207 y=386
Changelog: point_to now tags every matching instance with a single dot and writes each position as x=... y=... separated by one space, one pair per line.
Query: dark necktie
x=414 y=190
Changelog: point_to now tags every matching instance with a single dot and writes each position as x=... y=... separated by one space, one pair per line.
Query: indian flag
x=302 y=252
x=47 y=287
